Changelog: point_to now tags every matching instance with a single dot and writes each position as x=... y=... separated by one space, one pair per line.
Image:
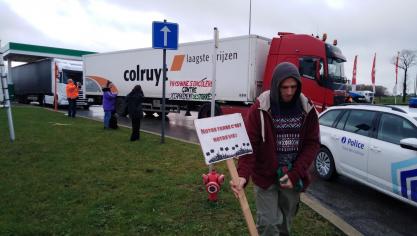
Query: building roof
x=29 y=53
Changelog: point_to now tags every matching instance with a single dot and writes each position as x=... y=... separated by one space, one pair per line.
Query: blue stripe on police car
x=401 y=172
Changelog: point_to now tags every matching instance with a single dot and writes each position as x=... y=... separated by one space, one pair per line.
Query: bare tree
x=407 y=59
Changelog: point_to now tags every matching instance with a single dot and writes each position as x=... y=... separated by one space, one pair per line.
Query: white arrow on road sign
x=160 y=37
x=165 y=30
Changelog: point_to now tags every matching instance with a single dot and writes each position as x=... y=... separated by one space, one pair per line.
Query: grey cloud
x=361 y=27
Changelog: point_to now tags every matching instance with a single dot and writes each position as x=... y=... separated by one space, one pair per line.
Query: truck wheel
x=149 y=114
x=23 y=99
x=41 y=100
x=160 y=113
x=324 y=164
x=121 y=107
x=20 y=99
x=205 y=110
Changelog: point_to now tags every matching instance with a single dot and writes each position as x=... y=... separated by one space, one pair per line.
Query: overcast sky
x=361 y=27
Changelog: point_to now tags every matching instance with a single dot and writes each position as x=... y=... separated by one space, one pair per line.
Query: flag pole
x=354 y=74
x=396 y=78
x=373 y=78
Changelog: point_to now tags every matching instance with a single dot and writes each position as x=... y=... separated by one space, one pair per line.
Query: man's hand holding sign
x=223 y=138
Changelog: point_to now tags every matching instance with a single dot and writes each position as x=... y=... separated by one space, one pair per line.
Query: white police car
x=375 y=145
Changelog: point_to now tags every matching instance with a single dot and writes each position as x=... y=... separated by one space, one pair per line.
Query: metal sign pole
x=164 y=36
x=164 y=76
x=6 y=96
x=213 y=81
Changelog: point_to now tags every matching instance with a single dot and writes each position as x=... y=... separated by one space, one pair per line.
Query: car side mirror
x=409 y=143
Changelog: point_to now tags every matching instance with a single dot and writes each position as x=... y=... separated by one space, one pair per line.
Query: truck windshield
x=336 y=70
x=76 y=76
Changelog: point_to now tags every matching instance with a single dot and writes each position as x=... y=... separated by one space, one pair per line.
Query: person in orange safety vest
x=72 y=95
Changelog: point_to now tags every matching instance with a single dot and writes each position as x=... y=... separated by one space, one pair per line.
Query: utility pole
x=250 y=15
x=5 y=88
x=213 y=81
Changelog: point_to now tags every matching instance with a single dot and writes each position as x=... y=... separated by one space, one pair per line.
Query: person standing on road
x=283 y=128
x=109 y=101
x=72 y=95
x=348 y=99
x=134 y=108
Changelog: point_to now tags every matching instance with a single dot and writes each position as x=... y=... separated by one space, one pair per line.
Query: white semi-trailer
x=240 y=65
x=36 y=81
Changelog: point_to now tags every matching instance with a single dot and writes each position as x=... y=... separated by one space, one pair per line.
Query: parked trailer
x=36 y=81
x=240 y=65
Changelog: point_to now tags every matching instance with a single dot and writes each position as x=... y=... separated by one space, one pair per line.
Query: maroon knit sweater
x=262 y=164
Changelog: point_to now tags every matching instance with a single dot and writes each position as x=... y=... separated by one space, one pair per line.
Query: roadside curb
x=328 y=215
x=305 y=198
x=126 y=126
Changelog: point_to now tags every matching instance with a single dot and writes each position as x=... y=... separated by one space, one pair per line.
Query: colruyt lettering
x=139 y=74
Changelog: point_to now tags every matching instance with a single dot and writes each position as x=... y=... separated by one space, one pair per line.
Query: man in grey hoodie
x=283 y=128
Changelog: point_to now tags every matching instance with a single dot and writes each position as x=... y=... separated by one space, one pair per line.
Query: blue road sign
x=164 y=35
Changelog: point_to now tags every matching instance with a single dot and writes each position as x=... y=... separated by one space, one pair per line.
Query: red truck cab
x=320 y=65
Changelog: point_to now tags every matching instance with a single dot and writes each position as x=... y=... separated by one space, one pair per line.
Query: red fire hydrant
x=213 y=181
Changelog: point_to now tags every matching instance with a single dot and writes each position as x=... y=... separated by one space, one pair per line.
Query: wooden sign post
x=223 y=138
x=242 y=199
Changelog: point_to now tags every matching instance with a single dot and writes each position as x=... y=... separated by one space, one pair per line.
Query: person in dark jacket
x=109 y=101
x=134 y=108
x=283 y=128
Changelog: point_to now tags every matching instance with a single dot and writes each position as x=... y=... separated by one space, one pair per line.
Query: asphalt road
x=367 y=210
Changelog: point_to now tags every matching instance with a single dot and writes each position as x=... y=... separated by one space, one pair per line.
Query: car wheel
x=324 y=164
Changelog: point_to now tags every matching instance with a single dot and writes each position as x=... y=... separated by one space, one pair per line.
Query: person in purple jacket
x=109 y=101
x=283 y=128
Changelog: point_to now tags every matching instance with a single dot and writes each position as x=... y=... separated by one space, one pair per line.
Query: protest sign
x=222 y=137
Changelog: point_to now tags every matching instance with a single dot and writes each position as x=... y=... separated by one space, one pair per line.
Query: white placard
x=222 y=137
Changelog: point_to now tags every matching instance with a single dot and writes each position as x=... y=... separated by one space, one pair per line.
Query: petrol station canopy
x=28 y=53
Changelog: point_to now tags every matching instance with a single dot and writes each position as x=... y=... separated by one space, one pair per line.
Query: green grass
x=66 y=176
x=389 y=100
